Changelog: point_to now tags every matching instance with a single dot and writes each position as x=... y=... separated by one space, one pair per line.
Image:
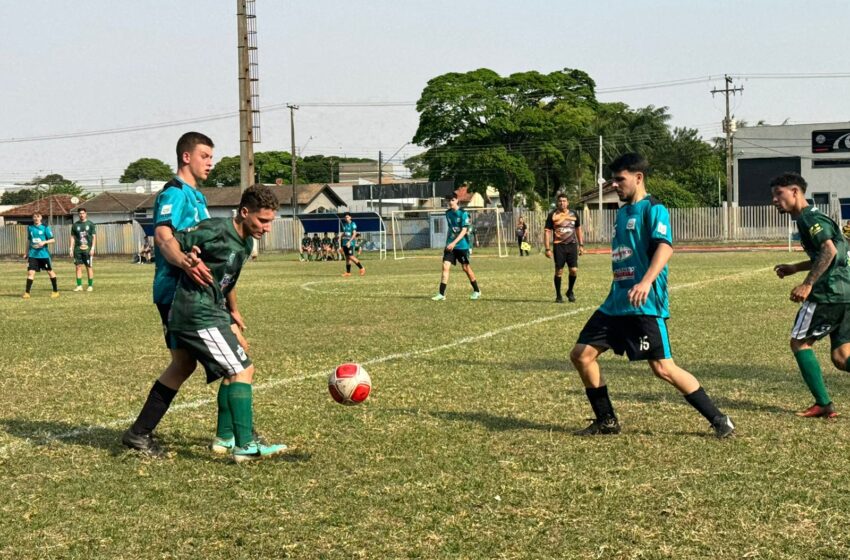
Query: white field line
x=9 y=449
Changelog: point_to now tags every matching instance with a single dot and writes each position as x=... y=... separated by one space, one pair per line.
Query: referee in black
x=563 y=230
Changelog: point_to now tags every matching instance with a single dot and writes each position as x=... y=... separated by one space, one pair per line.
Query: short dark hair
x=346 y=214
x=632 y=162
x=561 y=195
x=258 y=196
x=451 y=196
x=188 y=142
x=81 y=210
x=789 y=179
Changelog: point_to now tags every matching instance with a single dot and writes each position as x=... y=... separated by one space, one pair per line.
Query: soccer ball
x=349 y=384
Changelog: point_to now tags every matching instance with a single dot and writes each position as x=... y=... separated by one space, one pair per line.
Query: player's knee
x=580 y=357
x=797 y=345
x=661 y=370
x=573 y=271
x=559 y=272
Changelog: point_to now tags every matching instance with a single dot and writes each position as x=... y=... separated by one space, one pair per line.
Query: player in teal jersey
x=177 y=207
x=349 y=244
x=633 y=317
x=200 y=320
x=457 y=248
x=824 y=293
x=39 y=236
x=83 y=237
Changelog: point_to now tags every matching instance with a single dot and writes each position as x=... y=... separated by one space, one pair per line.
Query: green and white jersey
x=815 y=227
x=83 y=233
x=224 y=252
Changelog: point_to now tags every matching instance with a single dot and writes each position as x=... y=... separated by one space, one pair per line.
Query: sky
x=98 y=65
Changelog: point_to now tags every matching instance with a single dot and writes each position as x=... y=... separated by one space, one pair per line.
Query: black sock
x=29 y=285
x=600 y=403
x=557 y=286
x=55 y=287
x=359 y=265
x=474 y=285
x=572 y=282
x=348 y=267
x=442 y=288
x=703 y=403
x=159 y=399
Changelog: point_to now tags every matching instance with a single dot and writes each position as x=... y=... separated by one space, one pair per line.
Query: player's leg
x=78 y=265
x=356 y=261
x=813 y=321
x=559 y=256
x=559 y=274
x=646 y=338
x=32 y=266
x=596 y=337
x=571 y=250
x=464 y=264
x=448 y=260
x=348 y=254
x=90 y=272
x=48 y=266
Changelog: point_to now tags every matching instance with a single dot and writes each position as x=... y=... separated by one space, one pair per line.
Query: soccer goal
x=422 y=232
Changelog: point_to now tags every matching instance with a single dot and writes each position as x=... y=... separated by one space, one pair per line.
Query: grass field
x=464 y=450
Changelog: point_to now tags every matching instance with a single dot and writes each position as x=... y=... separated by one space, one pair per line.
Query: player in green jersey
x=200 y=320
x=824 y=293
x=457 y=248
x=83 y=237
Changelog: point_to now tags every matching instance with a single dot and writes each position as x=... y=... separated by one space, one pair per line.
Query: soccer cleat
x=475 y=295
x=90 y=289
x=143 y=443
x=723 y=427
x=222 y=446
x=362 y=272
x=438 y=297
x=571 y=296
x=26 y=295
x=598 y=428
x=54 y=295
x=255 y=450
x=559 y=299
x=818 y=411
x=346 y=274
x=78 y=289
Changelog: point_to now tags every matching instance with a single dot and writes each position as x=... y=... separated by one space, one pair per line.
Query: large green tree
x=270 y=166
x=483 y=129
x=147 y=168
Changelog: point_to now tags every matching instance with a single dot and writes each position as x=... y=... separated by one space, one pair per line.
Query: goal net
x=424 y=232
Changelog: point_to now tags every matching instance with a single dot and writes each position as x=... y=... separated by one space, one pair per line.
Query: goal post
x=424 y=232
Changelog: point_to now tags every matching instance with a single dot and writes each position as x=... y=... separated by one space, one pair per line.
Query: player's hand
x=450 y=247
x=39 y=245
x=580 y=250
x=238 y=320
x=239 y=337
x=801 y=292
x=71 y=253
x=548 y=253
x=639 y=293
x=783 y=270
x=196 y=269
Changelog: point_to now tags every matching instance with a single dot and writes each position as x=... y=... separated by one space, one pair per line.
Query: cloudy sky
x=94 y=66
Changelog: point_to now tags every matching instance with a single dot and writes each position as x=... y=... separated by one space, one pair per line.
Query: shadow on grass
x=490 y=421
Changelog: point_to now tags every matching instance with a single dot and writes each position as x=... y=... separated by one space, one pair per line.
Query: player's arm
x=783 y=270
x=661 y=246
x=457 y=239
x=189 y=262
x=238 y=324
x=819 y=265
x=547 y=242
x=93 y=243
x=579 y=236
x=73 y=242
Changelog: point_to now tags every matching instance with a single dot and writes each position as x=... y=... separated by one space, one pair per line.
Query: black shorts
x=348 y=251
x=216 y=348
x=164 y=310
x=82 y=258
x=456 y=256
x=816 y=320
x=36 y=264
x=641 y=337
x=565 y=254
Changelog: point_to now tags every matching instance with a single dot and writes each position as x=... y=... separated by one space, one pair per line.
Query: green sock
x=810 y=369
x=224 y=426
x=91 y=281
x=240 y=399
x=79 y=281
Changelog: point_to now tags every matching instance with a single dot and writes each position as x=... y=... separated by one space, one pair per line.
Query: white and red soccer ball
x=349 y=384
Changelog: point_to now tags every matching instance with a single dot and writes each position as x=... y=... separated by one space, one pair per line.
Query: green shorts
x=216 y=348
x=816 y=320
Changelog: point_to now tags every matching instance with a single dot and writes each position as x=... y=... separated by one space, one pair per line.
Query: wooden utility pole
x=249 y=99
x=729 y=129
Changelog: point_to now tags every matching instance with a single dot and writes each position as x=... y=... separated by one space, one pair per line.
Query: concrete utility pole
x=600 y=180
x=292 y=109
x=380 y=182
x=729 y=129
x=249 y=97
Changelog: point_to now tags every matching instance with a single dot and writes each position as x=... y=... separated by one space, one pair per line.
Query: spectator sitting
x=146 y=254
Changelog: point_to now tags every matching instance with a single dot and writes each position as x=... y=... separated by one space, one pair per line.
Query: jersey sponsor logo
x=621 y=253
x=662 y=229
x=815 y=229
x=165 y=210
x=625 y=273
x=631 y=223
